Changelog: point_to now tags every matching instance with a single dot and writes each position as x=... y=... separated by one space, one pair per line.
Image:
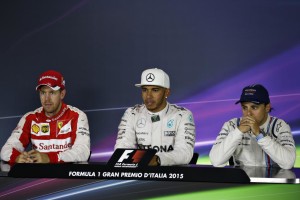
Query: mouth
x=48 y=104
x=149 y=103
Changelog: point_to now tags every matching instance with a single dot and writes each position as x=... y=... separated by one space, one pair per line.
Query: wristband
x=259 y=136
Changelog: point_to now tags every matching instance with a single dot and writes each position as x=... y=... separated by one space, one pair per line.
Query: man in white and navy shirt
x=255 y=139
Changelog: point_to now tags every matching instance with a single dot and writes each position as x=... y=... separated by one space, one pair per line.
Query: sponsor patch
x=45 y=128
x=53 y=145
x=35 y=128
x=141 y=123
x=67 y=128
x=60 y=124
x=40 y=129
x=169 y=133
x=155 y=118
x=161 y=148
x=170 y=123
x=191 y=118
x=142 y=133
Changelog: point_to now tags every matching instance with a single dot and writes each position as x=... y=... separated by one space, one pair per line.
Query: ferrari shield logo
x=59 y=124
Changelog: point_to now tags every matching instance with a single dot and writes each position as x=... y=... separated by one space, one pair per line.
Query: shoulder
x=76 y=110
x=132 y=112
x=138 y=108
x=179 y=109
x=181 y=112
x=234 y=122
x=276 y=121
x=279 y=125
x=33 y=114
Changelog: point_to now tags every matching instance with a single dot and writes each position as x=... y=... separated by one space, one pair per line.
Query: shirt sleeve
x=280 y=146
x=184 y=142
x=126 y=137
x=226 y=143
x=17 y=142
x=80 y=150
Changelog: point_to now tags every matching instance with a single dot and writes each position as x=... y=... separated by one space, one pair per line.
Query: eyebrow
x=151 y=88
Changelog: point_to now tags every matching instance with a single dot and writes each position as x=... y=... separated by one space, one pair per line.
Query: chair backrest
x=194 y=158
x=231 y=161
x=89 y=156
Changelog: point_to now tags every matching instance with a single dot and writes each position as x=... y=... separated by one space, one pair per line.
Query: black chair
x=231 y=161
x=89 y=156
x=194 y=158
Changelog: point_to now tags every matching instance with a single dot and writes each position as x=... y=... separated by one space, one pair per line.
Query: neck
x=264 y=121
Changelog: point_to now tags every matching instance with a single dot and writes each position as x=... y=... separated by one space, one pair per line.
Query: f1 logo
x=125 y=155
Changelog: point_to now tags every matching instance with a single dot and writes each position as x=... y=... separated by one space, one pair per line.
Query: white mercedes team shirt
x=171 y=132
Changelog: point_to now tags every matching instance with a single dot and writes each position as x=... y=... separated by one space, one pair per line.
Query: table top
x=206 y=173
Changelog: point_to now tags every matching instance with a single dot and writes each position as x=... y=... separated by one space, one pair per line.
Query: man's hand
x=24 y=158
x=38 y=157
x=154 y=161
x=249 y=123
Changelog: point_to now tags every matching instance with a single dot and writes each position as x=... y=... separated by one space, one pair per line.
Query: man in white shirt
x=157 y=124
x=255 y=139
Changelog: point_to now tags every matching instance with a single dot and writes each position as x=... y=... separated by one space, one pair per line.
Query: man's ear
x=268 y=107
x=167 y=93
x=63 y=94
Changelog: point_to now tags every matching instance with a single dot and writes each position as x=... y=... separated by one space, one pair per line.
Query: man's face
x=51 y=100
x=258 y=111
x=154 y=97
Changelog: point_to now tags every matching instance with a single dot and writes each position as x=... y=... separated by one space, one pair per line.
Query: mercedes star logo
x=150 y=77
x=141 y=123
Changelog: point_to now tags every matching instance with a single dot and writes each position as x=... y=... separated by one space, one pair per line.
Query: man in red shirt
x=58 y=132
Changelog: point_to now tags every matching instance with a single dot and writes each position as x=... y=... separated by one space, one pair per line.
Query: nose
x=47 y=96
x=249 y=113
x=148 y=94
